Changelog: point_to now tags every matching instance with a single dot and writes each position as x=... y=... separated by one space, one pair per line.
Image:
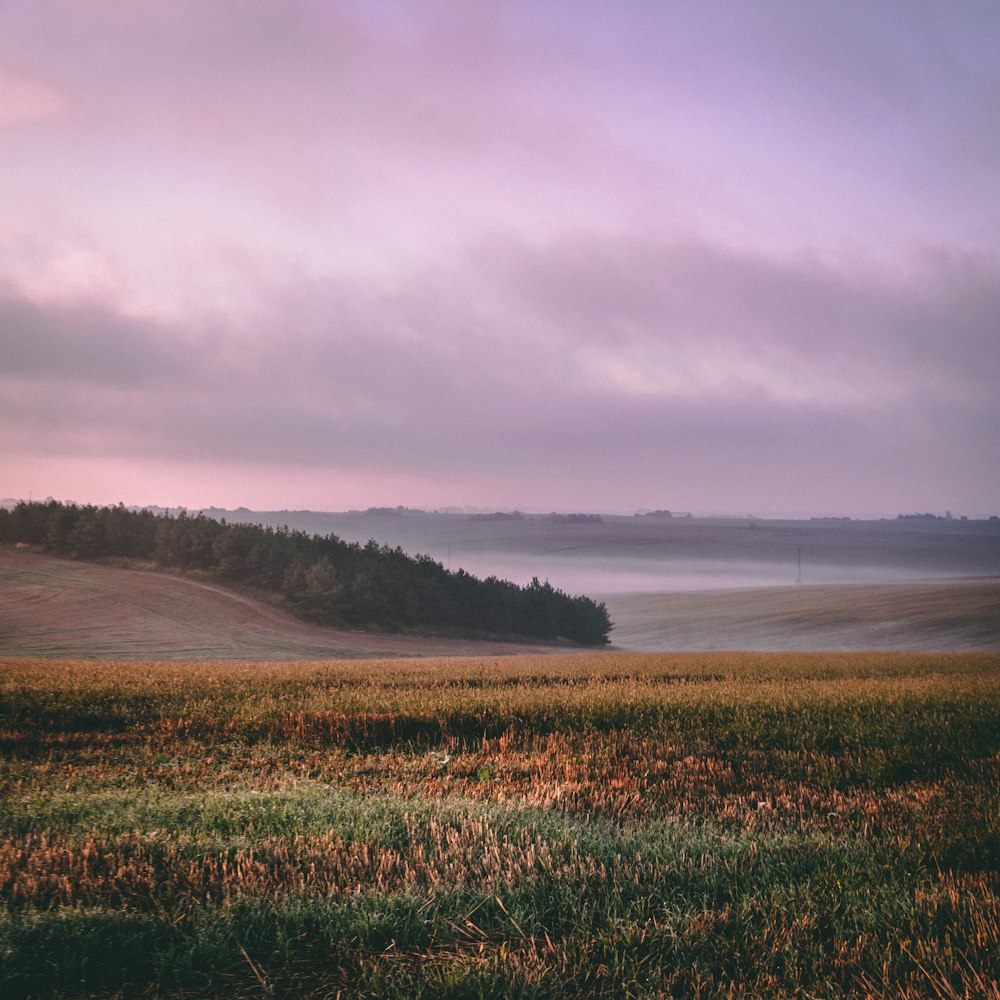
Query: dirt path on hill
x=61 y=608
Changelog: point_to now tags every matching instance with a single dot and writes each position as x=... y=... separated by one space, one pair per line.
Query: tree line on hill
x=321 y=579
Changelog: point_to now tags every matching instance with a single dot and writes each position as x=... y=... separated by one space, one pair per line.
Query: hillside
x=928 y=616
x=60 y=608
x=320 y=579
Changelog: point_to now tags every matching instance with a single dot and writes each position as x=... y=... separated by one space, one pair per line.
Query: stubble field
x=917 y=616
x=618 y=825
x=62 y=608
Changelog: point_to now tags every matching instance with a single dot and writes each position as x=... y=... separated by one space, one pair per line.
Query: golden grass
x=596 y=825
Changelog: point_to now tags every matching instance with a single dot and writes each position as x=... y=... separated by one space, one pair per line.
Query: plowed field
x=56 y=607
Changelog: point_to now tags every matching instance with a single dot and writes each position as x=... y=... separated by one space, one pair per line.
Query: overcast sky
x=705 y=255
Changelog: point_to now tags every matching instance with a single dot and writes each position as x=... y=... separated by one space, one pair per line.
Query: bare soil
x=930 y=616
x=61 y=608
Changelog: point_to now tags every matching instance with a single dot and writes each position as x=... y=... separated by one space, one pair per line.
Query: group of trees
x=320 y=579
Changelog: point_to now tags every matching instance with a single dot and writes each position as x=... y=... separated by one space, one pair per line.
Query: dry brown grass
x=601 y=825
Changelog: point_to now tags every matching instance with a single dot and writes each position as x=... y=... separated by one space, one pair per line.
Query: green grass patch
x=618 y=826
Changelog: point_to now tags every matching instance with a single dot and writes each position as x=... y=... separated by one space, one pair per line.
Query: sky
x=713 y=256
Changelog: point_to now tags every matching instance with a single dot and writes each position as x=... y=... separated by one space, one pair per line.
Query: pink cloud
x=24 y=101
x=442 y=247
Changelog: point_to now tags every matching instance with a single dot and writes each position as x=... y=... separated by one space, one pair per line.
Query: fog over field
x=613 y=554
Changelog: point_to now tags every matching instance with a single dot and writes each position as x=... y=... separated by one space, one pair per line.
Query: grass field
x=616 y=825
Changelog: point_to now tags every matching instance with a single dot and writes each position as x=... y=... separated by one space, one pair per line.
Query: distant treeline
x=320 y=579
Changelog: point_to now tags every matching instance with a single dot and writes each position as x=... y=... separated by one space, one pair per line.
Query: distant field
x=958 y=614
x=54 y=607
x=598 y=825
x=57 y=607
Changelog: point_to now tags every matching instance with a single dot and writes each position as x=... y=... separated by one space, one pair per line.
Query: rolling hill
x=60 y=608
x=918 y=616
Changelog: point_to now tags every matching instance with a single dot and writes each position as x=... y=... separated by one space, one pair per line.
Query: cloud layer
x=309 y=254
